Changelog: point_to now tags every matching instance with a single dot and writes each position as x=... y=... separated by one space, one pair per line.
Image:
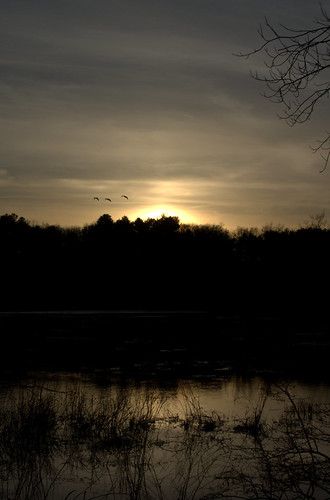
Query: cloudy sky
x=145 y=98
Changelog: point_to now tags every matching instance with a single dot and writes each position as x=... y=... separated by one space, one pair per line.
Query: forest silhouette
x=145 y=294
x=164 y=264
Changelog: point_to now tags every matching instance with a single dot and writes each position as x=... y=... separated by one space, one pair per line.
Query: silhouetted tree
x=167 y=224
x=149 y=223
x=318 y=221
x=14 y=233
x=142 y=226
x=297 y=62
x=123 y=225
x=100 y=231
x=13 y=229
x=105 y=221
x=12 y=220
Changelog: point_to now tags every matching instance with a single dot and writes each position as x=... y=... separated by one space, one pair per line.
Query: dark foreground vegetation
x=132 y=445
x=163 y=264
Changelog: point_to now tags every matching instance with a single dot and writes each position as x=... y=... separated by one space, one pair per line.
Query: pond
x=68 y=435
x=163 y=405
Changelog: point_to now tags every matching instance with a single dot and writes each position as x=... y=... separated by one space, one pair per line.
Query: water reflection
x=230 y=396
x=71 y=436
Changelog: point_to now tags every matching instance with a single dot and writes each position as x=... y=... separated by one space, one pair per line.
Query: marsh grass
x=31 y=421
x=254 y=423
x=128 y=444
x=28 y=443
x=110 y=422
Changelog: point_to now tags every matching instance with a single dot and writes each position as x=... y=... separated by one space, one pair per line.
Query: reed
x=126 y=443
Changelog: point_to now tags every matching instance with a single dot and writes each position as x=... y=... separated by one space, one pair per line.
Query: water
x=138 y=405
x=115 y=438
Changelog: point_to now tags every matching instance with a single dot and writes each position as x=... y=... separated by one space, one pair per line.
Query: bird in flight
x=96 y=198
x=124 y=196
x=107 y=199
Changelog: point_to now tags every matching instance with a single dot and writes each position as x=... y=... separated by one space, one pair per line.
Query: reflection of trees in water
x=127 y=444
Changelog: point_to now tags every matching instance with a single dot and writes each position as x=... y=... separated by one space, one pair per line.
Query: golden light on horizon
x=156 y=211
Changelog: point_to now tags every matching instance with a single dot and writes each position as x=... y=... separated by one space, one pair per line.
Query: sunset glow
x=157 y=211
x=140 y=98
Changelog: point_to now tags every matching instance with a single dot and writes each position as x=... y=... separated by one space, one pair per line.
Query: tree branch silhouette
x=296 y=75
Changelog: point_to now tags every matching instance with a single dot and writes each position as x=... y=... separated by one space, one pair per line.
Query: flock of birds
x=96 y=198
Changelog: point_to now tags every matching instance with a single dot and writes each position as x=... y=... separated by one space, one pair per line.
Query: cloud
x=148 y=95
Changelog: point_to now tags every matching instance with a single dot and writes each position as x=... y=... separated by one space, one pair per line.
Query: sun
x=156 y=211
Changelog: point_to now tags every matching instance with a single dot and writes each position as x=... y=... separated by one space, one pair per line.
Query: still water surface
x=194 y=429
x=231 y=396
x=183 y=439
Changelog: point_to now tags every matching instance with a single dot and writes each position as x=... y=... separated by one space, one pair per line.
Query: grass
x=128 y=444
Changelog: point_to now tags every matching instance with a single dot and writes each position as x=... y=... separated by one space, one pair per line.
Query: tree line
x=165 y=264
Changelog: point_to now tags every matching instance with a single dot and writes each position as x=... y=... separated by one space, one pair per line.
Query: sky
x=147 y=99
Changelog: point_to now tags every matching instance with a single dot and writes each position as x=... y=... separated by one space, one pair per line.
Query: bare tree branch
x=297 y=77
